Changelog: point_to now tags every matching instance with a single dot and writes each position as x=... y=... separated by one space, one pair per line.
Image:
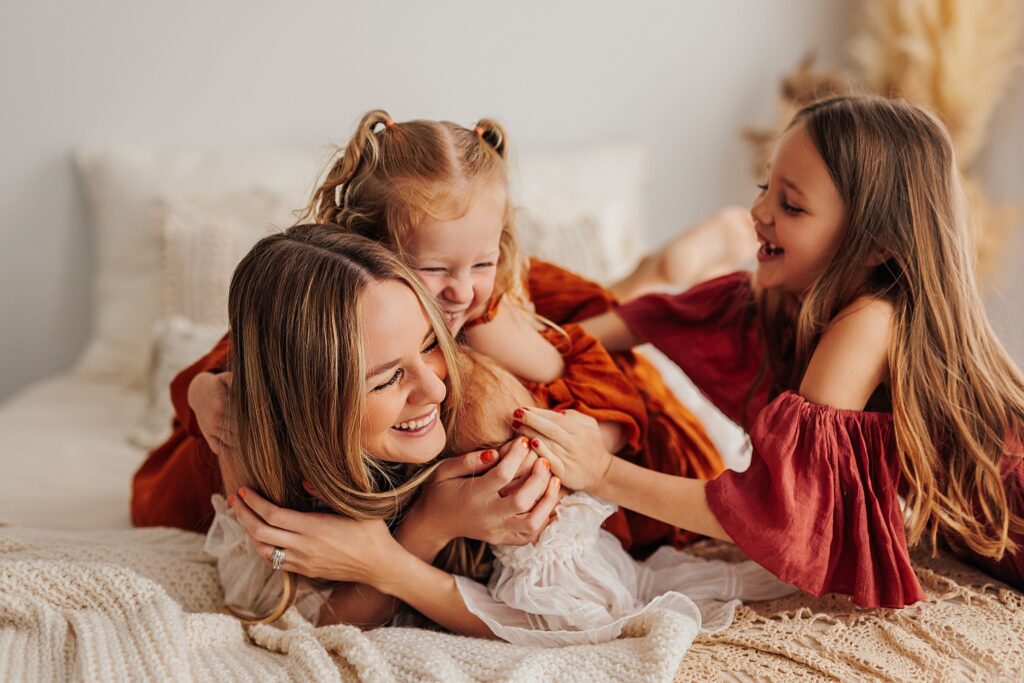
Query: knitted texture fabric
x=144 y=605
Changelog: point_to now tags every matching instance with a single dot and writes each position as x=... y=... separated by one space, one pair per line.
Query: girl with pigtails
x=436 y=193
x=859 y=359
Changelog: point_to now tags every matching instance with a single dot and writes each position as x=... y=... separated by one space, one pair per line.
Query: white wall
x=1002 y=166
x=683 y=76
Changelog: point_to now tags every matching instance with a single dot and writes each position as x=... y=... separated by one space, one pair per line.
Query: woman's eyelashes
x=391 y=382
x=400 y=372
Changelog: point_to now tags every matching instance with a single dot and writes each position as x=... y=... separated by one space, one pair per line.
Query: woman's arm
x=455 y=504
x=512 y=340
x=364 y=605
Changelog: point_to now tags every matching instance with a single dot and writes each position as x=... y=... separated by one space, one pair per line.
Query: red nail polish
x=488 y=457
x=518 y=413
x=231 y=501
x=535 y=443
x=516 y=424
x=559 y=411
x=242 y=492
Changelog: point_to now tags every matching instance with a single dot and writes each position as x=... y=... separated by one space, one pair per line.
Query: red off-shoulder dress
x=818 y=505
x=174 y=484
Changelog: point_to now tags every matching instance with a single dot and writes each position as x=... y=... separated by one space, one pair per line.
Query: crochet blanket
x=144 y=605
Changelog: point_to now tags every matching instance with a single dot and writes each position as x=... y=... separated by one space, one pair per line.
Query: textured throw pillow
x=202 y=244
x=123 y=188
x=582 y=209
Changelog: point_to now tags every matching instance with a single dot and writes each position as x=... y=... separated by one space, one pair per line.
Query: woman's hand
x=500 y=506
x=571 y=442
x=317 y=545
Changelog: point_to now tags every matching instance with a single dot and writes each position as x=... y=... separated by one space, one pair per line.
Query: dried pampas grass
x=955 y=57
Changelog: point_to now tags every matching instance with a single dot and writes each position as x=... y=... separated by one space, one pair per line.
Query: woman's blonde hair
x=392 y=175
x=957 y=397
x=299 y=375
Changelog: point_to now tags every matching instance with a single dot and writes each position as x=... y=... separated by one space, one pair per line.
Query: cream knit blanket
x=143 y=605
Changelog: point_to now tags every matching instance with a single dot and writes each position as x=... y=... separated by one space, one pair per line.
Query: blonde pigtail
x=359 y=158
x=493 y=134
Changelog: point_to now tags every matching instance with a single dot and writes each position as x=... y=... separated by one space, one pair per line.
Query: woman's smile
x=420 y=425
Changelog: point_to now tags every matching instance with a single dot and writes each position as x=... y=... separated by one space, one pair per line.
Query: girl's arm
x=851 y=358
x=609 y=329
x=572 y=443
x=208 y=399
x=514 y=342
x=845 y=369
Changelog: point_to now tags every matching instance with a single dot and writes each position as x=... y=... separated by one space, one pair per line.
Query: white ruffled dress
x=577 y=585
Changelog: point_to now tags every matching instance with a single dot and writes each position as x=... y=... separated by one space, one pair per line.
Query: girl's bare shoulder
x=851 y=358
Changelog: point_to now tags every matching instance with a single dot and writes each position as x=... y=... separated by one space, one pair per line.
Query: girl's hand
x=465 y=505
x=316 y=545
x=208 y=398
x=571 y=441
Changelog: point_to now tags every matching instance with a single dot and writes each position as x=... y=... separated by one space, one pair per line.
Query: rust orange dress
x=174 y=484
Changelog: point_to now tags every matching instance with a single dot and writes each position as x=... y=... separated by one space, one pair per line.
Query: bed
x=82 y=595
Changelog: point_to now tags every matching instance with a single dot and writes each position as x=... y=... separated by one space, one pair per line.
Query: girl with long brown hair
x=858 y=357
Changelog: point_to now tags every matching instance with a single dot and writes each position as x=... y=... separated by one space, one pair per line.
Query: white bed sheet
x=65 y=461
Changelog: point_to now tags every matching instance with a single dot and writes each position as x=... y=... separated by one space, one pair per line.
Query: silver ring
x=277 y=558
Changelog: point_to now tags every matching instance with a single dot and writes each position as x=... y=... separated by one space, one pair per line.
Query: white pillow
x=582 y=209
x=203 y=244
x=123 y=188
x=177 y=343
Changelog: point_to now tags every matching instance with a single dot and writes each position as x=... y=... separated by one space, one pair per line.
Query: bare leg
x=722 y=242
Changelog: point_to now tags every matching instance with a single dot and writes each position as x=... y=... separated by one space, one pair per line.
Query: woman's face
x=405 y=376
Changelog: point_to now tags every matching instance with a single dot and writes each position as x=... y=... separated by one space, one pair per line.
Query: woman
x=340 y=381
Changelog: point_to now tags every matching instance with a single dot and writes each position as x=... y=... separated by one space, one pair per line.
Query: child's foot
x=721 y=243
